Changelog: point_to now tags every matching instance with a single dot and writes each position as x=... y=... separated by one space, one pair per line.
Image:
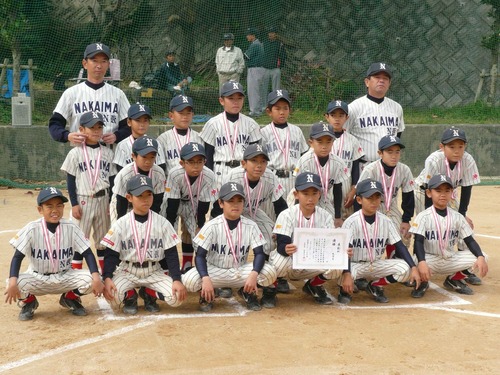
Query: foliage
x=492 y=41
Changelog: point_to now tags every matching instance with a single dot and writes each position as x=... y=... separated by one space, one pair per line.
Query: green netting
x=443 y=53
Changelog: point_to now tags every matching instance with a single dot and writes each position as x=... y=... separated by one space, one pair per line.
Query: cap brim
x=369 y=193
x=380 y=71
x=49 y=197
x=138 y=115
x=393 y=144
x=230 y=195
x=254 y=154
x=308 y=185
x=147 y=150
x=96 y=53
x=141 y=189
x=180 y=107
x=229 y=93
x=322 y=134
x=438 y=184
x=453 y=139
x=92 y=123
x=276 y=100
x=192 y=155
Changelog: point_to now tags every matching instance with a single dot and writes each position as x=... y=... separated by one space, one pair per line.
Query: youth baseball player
x=139 y=117
x=137 y=246
x=374 y=115
x=89 y=172
x=49 y=244
x=437 y=231
x=371 y=231
x=223 y=247
x=181 y=113
x=228 y=134
x=94 y=95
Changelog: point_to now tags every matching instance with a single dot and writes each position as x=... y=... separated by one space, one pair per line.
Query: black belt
x=100 y=193
x=140 y=265
x=282 y=173
x=232 y=163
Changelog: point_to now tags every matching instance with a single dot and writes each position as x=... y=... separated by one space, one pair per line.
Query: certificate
x=321 y=248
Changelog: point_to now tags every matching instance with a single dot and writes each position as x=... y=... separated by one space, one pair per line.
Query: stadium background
x=437 y=48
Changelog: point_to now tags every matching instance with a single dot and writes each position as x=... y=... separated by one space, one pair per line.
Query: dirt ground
x=443 y=333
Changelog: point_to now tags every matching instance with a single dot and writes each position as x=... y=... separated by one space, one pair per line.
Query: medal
x=141 y=250
x=366 y=235
x=232 y=143
x=93 y=176
x=230 y=240
x=388 y=191
x=442 y=237
x=54 y=260
x=252 y=207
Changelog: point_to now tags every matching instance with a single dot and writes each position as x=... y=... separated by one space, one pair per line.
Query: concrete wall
x=28 y=153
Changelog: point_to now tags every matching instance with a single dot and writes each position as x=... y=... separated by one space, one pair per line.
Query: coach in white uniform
x=91 y=95
x=374 y=115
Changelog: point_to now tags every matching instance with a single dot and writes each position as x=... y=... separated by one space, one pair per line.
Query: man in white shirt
x=229 y=61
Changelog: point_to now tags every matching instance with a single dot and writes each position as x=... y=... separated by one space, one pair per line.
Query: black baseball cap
x=439 y=180
x=368 y=187
x=192 y=149
x=306 y=180
x=89 y=119
x=230 y=88
x=337 y=104
x=170 y=52
x=452 y=134
x=251 y=31
x=179 y=102
x=138 y=184
x=389 y=140
x=253 y=150
x=137 y=110
x=274 y=96
x=144 y=145
x=229 y=190
x=228 y=36
x=379 y=67
x=49 y=193
x=96 y=48
x=319 y=129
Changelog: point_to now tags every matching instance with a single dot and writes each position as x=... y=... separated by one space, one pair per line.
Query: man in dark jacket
x=170 y=76
x=274 y=60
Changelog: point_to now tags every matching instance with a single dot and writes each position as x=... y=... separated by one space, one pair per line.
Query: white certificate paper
x=321 y=248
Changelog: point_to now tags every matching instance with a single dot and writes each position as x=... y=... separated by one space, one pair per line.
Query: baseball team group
x=231 y=196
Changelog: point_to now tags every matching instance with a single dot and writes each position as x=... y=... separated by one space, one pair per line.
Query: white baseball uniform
x=49 y=270
x=123 y=153
x=348 y=148
x=178 y=186
x=465 y=173
x=229 y=140
x=441 y=239
x=160 y=238
x=369 y=121
x=156 y=174
x=369 y=248
x=109 y=100
x=267 y=189
x=171 y=142
x=227 y=260
x=92 y=168
x=286 y=223
x=401 y=179
x=333 y=172
x=284 y=146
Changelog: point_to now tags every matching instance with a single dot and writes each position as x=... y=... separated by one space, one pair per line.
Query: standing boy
x=453 y=161
x=49 y=243
x=138 y=245
x=346 y=147
x=89 y=174
x=371 y=232
x=305 y=214
x=189 y=192
x=228 y=134
x=329 y=167
x=223 y=246
x=437 y=231
x=181 y=113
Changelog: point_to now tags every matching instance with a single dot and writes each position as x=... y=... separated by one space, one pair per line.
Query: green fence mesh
x=444 y=53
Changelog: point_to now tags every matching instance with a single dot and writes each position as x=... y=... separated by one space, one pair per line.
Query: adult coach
x=229 y=61
x=274 y=60
x=254 y=56
x=374 y=115
x=91 y=95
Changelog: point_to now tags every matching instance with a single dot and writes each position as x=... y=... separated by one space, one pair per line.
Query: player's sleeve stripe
x=108 y=241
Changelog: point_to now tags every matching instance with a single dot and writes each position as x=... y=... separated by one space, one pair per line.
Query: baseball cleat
x=318 y=292
x=150 y=304
x=223 y=292
x=269 y=298
x=75 y=305
x=251 y=300
x=204 y=305
x=282 y=285
x=420 y=291
x=377 y=292
x=344 y=297
x=360 y=284
x=28 y=309
x=458 y=286
x=472 y=279
x=130 y=304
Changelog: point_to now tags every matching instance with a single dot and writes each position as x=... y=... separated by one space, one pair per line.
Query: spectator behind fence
x=170 y=76
x=274 y=60
x=229 y=61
